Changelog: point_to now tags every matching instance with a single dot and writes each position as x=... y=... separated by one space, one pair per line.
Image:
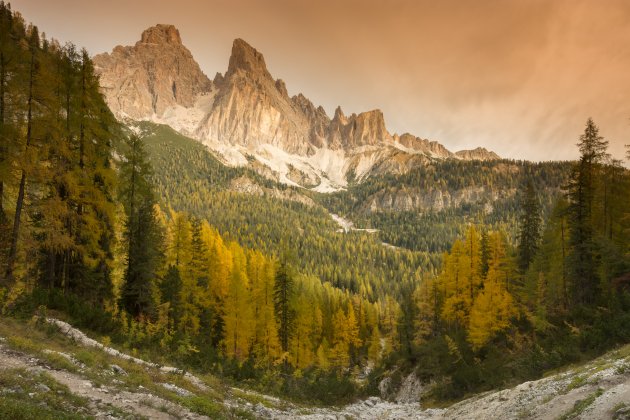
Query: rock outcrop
x=479 y=153
x=157 y=73
x=246 y=112
x=434 y=200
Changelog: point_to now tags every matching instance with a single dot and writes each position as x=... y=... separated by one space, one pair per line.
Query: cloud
x=518 y=77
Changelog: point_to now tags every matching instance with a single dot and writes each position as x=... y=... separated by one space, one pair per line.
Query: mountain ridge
x=246 y=113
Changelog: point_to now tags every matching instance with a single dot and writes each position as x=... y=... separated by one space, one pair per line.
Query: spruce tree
x=582 y=193
x=529 y=231
x=171 y=288
x=283 y=294
x=142 y=231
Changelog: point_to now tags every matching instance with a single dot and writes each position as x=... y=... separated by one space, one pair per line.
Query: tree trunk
x=20 y=199
x=3 y=140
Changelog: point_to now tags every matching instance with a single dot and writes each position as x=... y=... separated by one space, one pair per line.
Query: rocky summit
x=246 y=113
x=153 y=76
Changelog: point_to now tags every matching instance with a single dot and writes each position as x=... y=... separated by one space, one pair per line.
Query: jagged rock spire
x=247 y=59
x=161 y=34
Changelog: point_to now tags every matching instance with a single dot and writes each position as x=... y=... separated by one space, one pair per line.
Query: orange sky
x=516 y=76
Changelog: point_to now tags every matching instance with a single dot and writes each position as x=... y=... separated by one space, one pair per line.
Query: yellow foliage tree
x=494 y=306
x=238 y=318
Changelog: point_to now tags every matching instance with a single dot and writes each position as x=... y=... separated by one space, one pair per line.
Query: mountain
x=479 y=153
x=152 y=77
x=248 y=118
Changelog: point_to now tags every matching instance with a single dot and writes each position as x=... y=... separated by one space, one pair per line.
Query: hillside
x=284 y=263
x=51 y=370
x=270 y=216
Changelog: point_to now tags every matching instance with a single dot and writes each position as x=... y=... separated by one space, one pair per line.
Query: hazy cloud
x=519 y=77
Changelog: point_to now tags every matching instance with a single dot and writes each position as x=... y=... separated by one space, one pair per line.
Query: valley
x=180 y=246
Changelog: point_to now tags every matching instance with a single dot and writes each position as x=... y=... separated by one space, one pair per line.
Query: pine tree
x=529 y=232
x=582 y=195
x=144 y=238
x=171 y=289
x=31 y=92
x=283 y=295
x=8 y=65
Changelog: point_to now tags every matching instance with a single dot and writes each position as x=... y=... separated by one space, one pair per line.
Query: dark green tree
x=170 y=289
x=529 y=229
x=581 y=193
x=142 y=232
x=284 y=289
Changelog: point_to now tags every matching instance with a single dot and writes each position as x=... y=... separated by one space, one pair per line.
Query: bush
x=318 y=387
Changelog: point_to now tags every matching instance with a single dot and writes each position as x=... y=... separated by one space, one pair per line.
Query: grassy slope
x=44 y=375
x=35 y=354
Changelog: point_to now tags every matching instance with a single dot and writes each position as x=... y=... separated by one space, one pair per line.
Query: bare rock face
x=247 y=60
x=246 y=112
x=252 y=109
x=479 y=153
x=155 y=74
x=433 y=200
x=431 y=148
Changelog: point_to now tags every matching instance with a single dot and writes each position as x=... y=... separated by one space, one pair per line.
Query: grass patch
x=623 y=368
x=203 y=406
x=24 y=395
x=58 y=361
x=24 y=344
x=52 y=358
x=581 y=405
x=253 y=398
x=577 y=382
x=47 y=344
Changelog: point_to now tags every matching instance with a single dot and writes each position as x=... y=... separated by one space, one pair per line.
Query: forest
x=134 y=233
x=500 y=313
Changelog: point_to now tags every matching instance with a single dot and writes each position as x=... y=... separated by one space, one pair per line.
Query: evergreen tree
x=170 y=291
x=142 y=232
x=8 y=67
x=31 y=87
x=282 y=296
x=582 y=195
x=529 y=232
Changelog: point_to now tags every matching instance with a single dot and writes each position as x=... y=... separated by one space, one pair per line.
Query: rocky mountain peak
x=340 y=116
x=247 y=59
x=479 y=153
x=156 y=74
x=246 y=112
x=161 y=34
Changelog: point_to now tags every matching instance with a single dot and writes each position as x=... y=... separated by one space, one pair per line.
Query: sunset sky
x=519 y=77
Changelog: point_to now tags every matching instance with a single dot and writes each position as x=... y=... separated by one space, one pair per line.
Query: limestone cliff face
x=431 y=148
x=246 y=112
x=479 y=153
x=413 y=199
x=251 y=109
x=153 y=75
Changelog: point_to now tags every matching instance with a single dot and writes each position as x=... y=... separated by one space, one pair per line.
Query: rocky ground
x=109 y=384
